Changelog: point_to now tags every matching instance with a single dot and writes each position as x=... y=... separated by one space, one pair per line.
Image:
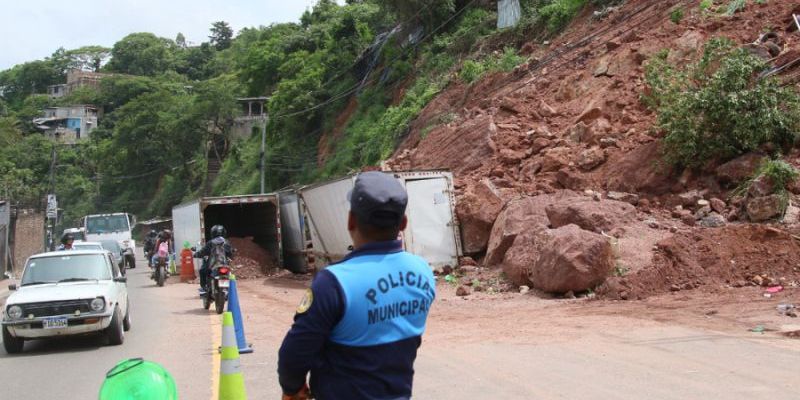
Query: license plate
x=224 y=283
x=55 y=323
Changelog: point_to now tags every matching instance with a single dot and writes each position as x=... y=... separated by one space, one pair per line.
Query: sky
x=34 y=29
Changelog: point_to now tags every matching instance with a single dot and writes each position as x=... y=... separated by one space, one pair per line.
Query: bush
x=735 y=6
x=559 y=13
x=676 y=15
x=779 y=172
x=471 y=71
x=508 y=60
x=719 y=108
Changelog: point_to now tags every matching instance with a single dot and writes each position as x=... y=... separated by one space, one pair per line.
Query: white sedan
x=67 y=293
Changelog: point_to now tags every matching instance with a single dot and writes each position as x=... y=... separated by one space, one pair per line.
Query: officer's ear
x=352 y=223
x=403 y=223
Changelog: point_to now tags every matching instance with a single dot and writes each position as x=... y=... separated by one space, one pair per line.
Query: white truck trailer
x=256 y=216
x=433 y=230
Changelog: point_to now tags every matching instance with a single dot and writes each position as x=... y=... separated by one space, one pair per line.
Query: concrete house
x=76 y=79
x=68 y=124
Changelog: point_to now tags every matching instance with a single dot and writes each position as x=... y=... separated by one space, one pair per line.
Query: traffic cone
x=231 y=381
x=233 y=307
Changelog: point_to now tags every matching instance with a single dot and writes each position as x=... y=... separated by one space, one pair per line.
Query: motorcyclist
x=66 y=242
x=211 y=254
x=164 y=237
x=150 y=243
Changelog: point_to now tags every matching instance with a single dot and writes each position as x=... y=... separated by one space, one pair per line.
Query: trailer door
x=430 y=233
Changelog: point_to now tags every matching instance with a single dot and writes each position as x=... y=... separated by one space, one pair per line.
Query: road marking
x=216 y=340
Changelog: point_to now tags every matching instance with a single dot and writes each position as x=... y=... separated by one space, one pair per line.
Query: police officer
x=358 y=328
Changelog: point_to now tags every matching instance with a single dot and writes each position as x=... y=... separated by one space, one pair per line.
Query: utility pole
x=263 y=147
x=52 y=204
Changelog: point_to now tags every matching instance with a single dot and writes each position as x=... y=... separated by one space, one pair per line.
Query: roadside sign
x=52 y=206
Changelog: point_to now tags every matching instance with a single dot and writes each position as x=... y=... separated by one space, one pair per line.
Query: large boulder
x=477 y=210
x=520 y=215
x=521 y=257
x=572 y=259
x=761 y=209
x=595 y=216
x=737 y=170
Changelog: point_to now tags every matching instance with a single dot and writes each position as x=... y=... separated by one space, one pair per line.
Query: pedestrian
x=358 y=327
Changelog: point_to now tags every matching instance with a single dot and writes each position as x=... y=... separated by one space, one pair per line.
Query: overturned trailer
x=256 y=216
x=320 y=228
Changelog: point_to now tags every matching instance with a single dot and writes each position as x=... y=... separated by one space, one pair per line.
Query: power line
x=358 y=85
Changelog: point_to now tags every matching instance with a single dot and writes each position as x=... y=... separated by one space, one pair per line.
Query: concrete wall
x=5 y=222
x=28 y=237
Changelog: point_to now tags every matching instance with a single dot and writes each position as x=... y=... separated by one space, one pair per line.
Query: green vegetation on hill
x=721 y=106
x=167 y=100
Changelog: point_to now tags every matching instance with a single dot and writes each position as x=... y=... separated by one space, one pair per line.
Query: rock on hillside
x=572 y=118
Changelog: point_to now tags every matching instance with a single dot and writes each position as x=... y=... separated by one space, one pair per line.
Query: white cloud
x=34 y=29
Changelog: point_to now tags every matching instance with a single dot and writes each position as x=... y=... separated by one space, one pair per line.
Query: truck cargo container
x=256 y=216
x=433 y=230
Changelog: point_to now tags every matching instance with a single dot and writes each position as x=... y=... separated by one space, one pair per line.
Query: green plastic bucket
x=137 y=379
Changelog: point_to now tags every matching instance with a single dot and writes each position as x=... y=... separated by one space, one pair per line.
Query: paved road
x=169 y=327
x=472 y=352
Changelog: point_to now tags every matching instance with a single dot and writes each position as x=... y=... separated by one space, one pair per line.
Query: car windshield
x=66 y=268
x=86 y=246
x=107 y=224
x=110 y=245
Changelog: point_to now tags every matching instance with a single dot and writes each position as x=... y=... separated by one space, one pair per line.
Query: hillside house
x=68 y=124
x=76 y=79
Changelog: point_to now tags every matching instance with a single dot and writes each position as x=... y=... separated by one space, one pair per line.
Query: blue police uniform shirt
x=359 y=327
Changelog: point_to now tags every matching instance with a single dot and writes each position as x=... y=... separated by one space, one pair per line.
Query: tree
x=25 y=79
x=221 y=35
x=193 y=61
x=89 y=57
x=142 y=54
x=428 y=12
x=180 y=40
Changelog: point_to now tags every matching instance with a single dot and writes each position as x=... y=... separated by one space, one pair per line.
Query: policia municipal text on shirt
x=357 y=330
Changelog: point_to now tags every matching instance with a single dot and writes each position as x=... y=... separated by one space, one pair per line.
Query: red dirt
x=251 y=260
x=734 y=256
x=519 y=130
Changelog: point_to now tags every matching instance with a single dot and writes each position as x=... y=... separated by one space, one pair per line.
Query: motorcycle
x=160 y=271
x=218 y=285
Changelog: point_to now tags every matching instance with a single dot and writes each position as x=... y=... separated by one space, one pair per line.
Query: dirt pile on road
x=734 y=256
x=571 y=118
x=250 y=260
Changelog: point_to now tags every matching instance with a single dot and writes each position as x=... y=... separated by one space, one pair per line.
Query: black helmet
x=152 y=233
x=217 y=231
x=67 y=237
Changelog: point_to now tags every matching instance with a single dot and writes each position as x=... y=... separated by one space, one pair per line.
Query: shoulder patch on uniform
x=305 y=304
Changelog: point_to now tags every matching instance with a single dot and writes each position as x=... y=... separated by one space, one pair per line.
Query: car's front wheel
x=115 y=331
x=12 y=344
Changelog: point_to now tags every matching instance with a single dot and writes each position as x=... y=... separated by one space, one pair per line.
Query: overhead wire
x=358 y=85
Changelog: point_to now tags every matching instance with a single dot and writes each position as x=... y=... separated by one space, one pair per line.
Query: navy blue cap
x=378 y=199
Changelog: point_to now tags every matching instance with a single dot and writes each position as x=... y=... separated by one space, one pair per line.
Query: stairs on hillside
x=216 y=153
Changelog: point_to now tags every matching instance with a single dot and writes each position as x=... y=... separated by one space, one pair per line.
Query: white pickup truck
x=67 y=293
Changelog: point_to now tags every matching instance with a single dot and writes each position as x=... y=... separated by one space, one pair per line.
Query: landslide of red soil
x=571 y=117
x=734 y=256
